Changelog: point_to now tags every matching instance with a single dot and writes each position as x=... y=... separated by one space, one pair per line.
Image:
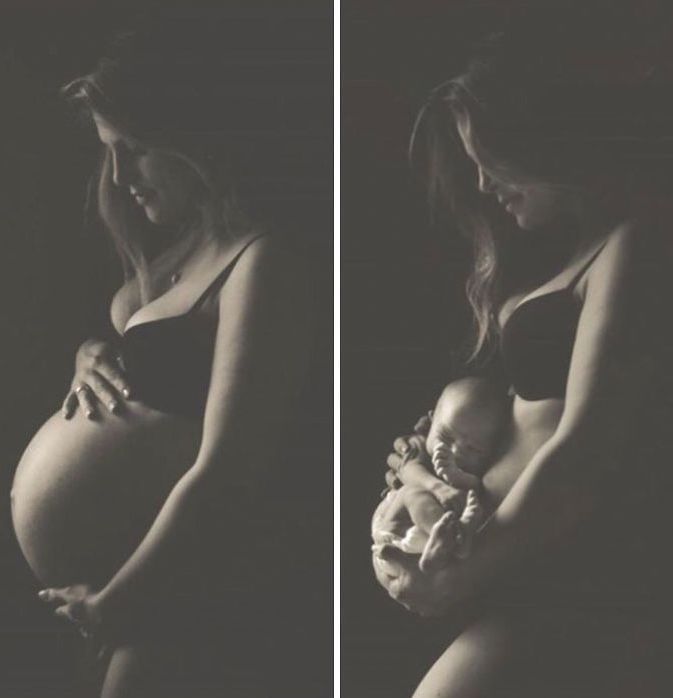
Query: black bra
x=168 y=361
x=536 y=342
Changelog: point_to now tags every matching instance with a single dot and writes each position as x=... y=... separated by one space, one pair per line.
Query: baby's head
x=468 y=418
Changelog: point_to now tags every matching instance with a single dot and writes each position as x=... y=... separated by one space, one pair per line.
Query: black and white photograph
x=167 y=207
x=506 y=383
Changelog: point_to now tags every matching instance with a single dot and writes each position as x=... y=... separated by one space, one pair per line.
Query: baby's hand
x=444 y=463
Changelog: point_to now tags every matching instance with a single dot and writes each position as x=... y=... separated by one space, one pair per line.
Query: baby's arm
x=413 y=473
x=423 y=508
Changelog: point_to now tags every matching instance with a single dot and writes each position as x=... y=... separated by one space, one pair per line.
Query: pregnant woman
x=561 y=592
x=147 y=507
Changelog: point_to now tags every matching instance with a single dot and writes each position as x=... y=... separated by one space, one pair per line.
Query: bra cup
x=169 y=360
x=536 y=345
x=168 y=363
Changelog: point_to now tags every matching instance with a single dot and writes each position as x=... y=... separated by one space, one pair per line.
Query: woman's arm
x=614 y=375
x=615 y=369
x=258 y=367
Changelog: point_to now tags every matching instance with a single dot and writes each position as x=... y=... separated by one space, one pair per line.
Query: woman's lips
x=510 y=203
x=142 y=196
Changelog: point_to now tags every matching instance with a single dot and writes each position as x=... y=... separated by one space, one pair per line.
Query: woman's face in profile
x=533 y=203
x=165 y=186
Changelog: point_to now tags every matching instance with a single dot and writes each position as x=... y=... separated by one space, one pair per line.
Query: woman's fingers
x=57 y=597
x=402 y=446
x=412 y=446
x=85 y=399
x=394 y=462
x=93 y=389
x=442 y=543
x=99 y=378
x=399 y=563
x=381 y=570
x=69 y=405
x=392 y=480
x=112 y=373
x=104 y=391
x=423 y=425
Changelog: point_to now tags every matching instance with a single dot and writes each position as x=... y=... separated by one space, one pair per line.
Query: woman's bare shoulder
x=270 y=261
x=639 y=250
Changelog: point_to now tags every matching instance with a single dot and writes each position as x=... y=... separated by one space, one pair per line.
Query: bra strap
x=585 y=265
x=222 y=276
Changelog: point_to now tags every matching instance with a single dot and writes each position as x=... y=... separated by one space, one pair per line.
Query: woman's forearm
x=142 y=576
x=556 y=491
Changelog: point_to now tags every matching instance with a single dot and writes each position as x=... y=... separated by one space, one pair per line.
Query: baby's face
x=469 y=435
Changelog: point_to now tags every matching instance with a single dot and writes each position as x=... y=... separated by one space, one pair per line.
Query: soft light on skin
x=165 y=186
x=534 y=204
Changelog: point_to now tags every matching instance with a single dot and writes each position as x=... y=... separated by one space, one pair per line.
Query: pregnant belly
x=85 y=492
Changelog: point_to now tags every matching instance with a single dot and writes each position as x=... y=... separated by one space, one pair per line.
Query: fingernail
x=43 y=594
x=112 y=405
x=89 y=414
x=404 y=448
x=126 y=392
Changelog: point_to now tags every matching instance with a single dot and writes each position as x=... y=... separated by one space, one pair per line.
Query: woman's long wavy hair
x=537 y=115
x=168 y=85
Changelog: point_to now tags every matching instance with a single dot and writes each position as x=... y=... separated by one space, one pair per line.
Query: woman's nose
x=120 y=169
x=485 y=182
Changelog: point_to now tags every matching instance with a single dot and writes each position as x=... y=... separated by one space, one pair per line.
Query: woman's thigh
x=164 y=670
x=533 y=652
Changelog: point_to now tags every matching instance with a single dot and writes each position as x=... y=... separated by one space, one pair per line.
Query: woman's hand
x=430 y=593
x=78 y=604
x=99 y=378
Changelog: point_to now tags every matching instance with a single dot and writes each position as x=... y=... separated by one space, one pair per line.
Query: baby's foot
x=473 y=514
x=441 y=544
x=470 y=521
x=446 y=468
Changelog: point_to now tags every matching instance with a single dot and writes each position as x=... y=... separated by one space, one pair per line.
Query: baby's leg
x=423 y=508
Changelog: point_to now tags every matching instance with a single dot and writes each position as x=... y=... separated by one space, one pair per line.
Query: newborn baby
x=466 y=425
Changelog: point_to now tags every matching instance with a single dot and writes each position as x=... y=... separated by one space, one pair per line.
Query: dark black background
x=403 y=311
x=57 y=277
